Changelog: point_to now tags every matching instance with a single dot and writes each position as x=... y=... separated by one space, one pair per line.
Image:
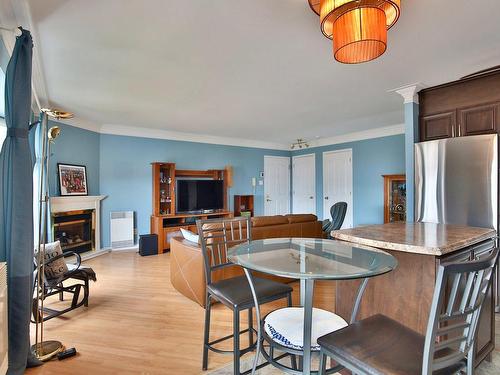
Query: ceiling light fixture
x=358 y=27
x=58 y=114
x=299 y=144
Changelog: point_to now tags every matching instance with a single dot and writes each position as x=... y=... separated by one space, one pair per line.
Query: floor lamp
x=44 y=350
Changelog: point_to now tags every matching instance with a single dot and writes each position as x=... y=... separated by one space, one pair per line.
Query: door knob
x=326 y=198
x=268 y=200
x=311 y=197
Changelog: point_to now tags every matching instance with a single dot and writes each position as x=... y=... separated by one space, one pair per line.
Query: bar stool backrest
x=219 y=235
x=460 y=291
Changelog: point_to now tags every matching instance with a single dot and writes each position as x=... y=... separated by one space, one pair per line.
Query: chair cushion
x=380 y=345
x=235 y=292
x=57 y=268
x=286 y=326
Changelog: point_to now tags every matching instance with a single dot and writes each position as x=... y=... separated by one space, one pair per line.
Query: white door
x=276 y=185
x=304 y=184
x=337 y=182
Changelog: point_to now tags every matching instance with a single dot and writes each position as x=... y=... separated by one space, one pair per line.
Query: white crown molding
x=131 y=131
x=385 y=131
x=80 y=123
x=409 y=92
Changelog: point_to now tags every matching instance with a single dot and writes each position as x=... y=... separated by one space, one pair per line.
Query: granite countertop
x=419 y=238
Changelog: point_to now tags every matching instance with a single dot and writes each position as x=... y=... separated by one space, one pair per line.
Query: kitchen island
x=406 y=293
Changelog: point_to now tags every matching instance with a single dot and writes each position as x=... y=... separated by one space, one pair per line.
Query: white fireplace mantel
x=86 y=202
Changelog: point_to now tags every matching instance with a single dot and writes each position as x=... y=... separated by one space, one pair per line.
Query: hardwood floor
x=137 y=323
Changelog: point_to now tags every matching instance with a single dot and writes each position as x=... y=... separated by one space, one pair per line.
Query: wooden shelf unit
x=243 y=203
x=165 y=222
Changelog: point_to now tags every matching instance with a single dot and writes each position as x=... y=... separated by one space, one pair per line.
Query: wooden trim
x=471 y=77
x=181 y=216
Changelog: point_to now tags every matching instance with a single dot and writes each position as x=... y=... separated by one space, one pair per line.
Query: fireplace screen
x=75 y=230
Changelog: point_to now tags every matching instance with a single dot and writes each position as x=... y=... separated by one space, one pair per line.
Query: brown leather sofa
x=186 y=260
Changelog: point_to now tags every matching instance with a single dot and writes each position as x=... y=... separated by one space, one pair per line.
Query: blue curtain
x=16 y=201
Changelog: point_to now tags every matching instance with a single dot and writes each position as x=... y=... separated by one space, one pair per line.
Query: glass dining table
x=308 y=260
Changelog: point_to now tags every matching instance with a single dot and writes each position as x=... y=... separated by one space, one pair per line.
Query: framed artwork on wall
x=72 y=179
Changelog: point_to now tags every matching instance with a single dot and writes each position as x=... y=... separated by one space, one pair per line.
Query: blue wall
x=125 y=172
x=371 y=159
x=119 y=167
x=75 y=146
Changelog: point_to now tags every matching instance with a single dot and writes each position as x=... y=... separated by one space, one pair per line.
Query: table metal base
x=307 y=291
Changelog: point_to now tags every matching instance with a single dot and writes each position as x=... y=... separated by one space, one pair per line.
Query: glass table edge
x=231 y=257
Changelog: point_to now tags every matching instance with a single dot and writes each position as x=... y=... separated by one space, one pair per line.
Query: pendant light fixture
x=358 y=27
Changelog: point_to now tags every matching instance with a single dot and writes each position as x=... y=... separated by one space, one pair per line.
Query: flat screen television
x=199 y=195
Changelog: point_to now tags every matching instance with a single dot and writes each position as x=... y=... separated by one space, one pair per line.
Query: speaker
x=148 y=244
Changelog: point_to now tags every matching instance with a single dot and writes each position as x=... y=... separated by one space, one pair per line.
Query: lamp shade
x=360 y=35
x=330 y=10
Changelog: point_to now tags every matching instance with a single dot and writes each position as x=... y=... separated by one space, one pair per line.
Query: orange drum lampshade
x=358 y=27
x=360 y=35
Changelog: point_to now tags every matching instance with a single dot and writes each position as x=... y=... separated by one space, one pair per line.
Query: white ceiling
x=258 y=70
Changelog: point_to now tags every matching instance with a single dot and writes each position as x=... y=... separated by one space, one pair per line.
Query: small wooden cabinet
x=243 y=205
x=163 y=188
x=394 y=198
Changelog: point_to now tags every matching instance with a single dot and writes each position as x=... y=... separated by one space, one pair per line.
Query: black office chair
x=380 y=345
x=216 y=237
x=337 y=212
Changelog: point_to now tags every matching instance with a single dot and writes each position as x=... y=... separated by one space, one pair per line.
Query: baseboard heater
x=122 y=229
x=4 y=337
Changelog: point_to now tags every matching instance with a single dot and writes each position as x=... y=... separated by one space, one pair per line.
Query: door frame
x=350 y=211
x=292 y=190
x=268 y=157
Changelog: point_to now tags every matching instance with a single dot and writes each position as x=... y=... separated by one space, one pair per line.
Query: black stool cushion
x=235 y=292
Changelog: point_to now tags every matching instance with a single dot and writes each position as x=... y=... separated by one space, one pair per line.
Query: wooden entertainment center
x=165 y=222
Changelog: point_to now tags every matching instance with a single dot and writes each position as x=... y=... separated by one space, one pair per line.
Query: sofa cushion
x=301 y=218
x=190 y=236
x=263 y=221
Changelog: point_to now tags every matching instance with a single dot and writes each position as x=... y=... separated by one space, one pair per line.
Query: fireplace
x=75 y=230
x=62 y=206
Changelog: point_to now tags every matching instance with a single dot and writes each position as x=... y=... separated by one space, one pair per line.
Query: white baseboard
x=94 y=253
x=131 y=248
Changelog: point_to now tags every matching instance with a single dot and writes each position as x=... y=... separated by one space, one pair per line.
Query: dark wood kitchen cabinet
x=469 y=106
x=482 y=119
x=437 y=126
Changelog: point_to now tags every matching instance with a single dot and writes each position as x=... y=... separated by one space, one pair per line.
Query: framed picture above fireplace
x=72 y=179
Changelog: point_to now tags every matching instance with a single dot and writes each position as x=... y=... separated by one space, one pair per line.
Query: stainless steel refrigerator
x=456 y=182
